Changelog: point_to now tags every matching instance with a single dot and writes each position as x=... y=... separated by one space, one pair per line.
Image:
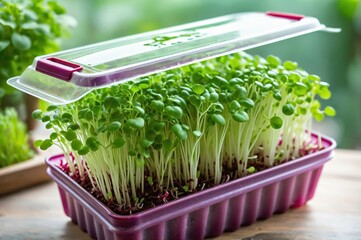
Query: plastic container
x=67 y=76
x=207 y=213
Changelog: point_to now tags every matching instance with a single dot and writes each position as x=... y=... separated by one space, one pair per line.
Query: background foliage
x=28 y=28
x=14 y=146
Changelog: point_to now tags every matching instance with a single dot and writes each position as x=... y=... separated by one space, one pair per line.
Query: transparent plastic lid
x=67 y=76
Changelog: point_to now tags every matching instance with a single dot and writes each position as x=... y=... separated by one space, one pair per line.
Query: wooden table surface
x=334 y=212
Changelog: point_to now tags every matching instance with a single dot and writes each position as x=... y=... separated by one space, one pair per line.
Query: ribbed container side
x=268 y=201
x=228 y=207
x=90 y=226
x=176 y=228
x=155 y=232
x=211 y=221
x=99 y=229
x=197 y=223
x=235 y=213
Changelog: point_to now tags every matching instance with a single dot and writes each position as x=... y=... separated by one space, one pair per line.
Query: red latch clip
x=285 y=15
x=58 y=68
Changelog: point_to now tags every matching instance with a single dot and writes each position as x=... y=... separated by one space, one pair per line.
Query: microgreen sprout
x=173 y=128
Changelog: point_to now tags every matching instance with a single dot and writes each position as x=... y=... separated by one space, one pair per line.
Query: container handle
x=57 y=67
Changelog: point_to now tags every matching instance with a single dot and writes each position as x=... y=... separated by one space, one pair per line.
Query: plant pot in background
x=207 y=213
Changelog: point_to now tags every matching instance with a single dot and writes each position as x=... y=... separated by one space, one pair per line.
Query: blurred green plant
x=28 y=28
x=348 y=7
x=14 y=145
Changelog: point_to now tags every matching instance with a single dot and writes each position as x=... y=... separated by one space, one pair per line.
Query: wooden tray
x=22 y=175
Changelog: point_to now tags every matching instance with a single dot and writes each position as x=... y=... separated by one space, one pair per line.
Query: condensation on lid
x=235 y=27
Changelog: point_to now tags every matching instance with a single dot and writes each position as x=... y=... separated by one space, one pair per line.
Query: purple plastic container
x=208 y=213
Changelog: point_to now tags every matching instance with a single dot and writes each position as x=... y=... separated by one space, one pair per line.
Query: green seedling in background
x=14 y=145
